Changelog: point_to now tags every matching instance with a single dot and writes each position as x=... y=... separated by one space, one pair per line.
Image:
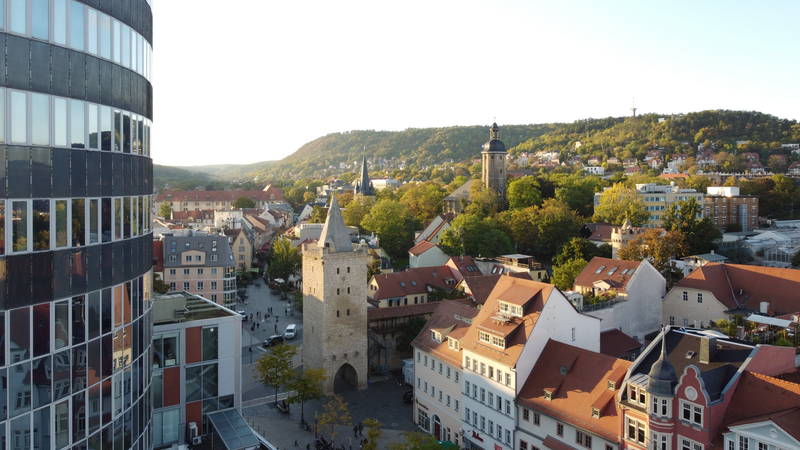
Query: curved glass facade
x=75 y=238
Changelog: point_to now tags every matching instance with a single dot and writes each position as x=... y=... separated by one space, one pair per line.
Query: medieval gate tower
x=493 y=162
x=335 y=304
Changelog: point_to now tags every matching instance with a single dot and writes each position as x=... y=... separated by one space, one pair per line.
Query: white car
x=291 y=331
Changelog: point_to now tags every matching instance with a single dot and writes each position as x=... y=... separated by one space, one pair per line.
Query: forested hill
x=620 y=136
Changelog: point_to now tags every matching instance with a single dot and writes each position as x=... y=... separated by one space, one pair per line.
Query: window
x=588 y=442
x=466 y=361
x=483 y=395
x=426 y=387
x=636 y=431
x=456 y=378
x=687 y=444
x=608 y=447
x=213 y=285
x=526 y=413
x=425 y=361
x=197 y=258
x=188 y=258
x=685 y=322
x=508 y=407
x=185 y=285
x=456 y=407
x=213 y=258
x=536 y=418
x=448 y=399
x=491 y=372
x=186 y=271
x=560 y=429
x=483 y=368
x=200 y=286
x=744 y=443
x=419 y=382
x=699 y=297
x=692 y=413
x=578 y=437
x=523 y=445
x=172 y=271
x=685 y=296
x=508 y=379
x=448 y=372
x=672 y=320
x=172 y=258
x=214 y=269
x=491 y=398
x=466 y=387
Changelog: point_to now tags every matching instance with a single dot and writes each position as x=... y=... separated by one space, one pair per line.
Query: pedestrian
x=258 y=325
x=276 y=319
x=251 y=316
x=308 y=446
x=295 y=443
x=360 y=429
x=276 y=327
x=252 y=327
x=355 y=431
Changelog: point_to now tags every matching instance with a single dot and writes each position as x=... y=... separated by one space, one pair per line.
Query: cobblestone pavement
x=382 y=401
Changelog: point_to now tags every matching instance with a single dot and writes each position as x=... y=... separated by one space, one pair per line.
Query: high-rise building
x=75 y=238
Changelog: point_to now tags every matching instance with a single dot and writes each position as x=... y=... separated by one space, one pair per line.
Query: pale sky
x=244 y=81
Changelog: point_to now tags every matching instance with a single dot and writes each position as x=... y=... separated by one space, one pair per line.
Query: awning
x=769 y=321
x=230 y=431
x=254 y=270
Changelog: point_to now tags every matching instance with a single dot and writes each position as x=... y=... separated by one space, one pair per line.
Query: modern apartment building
x=201 y=264
x=658 y=198
x=197 y=366
x=725 y=207
x=75 y=281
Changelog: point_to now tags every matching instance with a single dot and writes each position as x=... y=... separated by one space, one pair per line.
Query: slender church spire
x=334 y=232
x=363 y=186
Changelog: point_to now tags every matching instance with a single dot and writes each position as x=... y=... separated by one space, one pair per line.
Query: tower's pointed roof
x=334 y=233
x=663 y=378
x=627 y=224
x=362 y=186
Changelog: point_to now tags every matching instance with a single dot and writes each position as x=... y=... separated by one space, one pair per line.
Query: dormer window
x=437 y=337
x=596 y=413
x=453 y=343
x=483 y=336
x=562 y=370
x=548 y=395
x=612 y=385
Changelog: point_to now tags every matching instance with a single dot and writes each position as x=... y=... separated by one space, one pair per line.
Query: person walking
x=360 y=429
x=355 y=431
x=276 y=327
x=258 y=325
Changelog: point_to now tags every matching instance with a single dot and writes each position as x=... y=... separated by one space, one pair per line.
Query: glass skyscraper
x=75 y=235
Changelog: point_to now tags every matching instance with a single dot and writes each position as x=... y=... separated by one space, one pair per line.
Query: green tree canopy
x=393 y=225
x=243 y=202
x=471 y=235
x=335 y=413
x=318 y=214
x=166 y=210
x=356 y=211
x=424 y=200
x=564 y=275
x=285 y=260
x=524 y=192
x=411 y=329
x=656 y=248
x=618 y=203
x=701 y=234
x=580 y=248
x=275 y=367
x=305 y=386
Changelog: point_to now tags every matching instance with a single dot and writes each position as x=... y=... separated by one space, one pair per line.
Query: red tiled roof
x=617 y=344
x=221 y=196
x=588 y=275
x=553 y=444
x=444 y=318
x=421 y=248
x=464 y=264
x=757 y=284
x=602 y=233
x=374 y=314
x=411 y=281
x=585 y=386
x=519 y=291
x=671 y=176
x=480 y=287
x=766 y=397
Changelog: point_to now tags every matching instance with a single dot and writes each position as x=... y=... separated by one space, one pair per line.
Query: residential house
x=437 y=406
x=651 y=155
x=718 y=291
x=614 y=160
x=692 y=263
x=594 y=161
x=755 y=167
x=197 y=367
x=574 y=161
x=794 y=169
x=510 y=264
x=189 y=219
x=628 y=295
x=409 y=287
x=631 y=170
x=201 y=264
x=655 y=163
x=705 y=158
x=677 y=391
x=242 y=249
x=215 y=200
x=433 y=232
x=426 y=254
x=751 y=156
x=617 y=344
x=500 y=349
x=630 y=162
x=595 y=170
x=568 y=400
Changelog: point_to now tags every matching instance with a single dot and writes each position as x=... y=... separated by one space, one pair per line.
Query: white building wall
x=444 y=381
x=685 y=313
x=535 y=435
x=561 y=322
x=431 y=258
x=641 y=314
x=489 y=418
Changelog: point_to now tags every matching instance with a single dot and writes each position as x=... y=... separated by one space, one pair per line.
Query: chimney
x=708 y=347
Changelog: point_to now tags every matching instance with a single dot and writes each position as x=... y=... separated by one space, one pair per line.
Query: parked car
x=244 y=315
x=408 y=397
x=273 y=340
x=291 y=331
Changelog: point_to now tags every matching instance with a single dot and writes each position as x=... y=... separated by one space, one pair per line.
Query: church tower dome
x=493 y=159
x=662 y=376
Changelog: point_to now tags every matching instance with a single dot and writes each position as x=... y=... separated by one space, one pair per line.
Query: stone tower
x=493 y=160
x=621 y=236
x=335 y=304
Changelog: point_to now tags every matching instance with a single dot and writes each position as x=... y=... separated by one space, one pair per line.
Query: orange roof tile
x=593 y=273
x=585 y=386
x=221 y=196
x=531 y=293
x=734 y=284
x=617 y=344
x=421 y=248
x=411 y=281
x=445 y=317
x=762 y=396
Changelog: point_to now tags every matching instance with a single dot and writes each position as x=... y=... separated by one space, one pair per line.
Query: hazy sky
x=253 y=80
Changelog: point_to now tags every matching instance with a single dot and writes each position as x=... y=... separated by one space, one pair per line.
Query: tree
x=309 y=197
x=564 y=275
x=578 y=192
x=701 y=234
x=483 y=202
x=374 y=434
x=159 y=285
x=306 y=386
x=275 y=368
x=344 y=198
x=424 y=200
x=318 y=214
x=524 y=192
x=738 y=253
x=166 y=210
x=471 y=235
x=335 y=413
x=298 y=301
x=580 y=248
x=357 y=210
x=392 y=223
x=373 y=268
x=285 y=260
x=778 y=163
x=796 y=260
x=243 y=202
x=656 y=248
x=411 y=329
x=618 y=203
x=554 y=224
x=414 y=440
